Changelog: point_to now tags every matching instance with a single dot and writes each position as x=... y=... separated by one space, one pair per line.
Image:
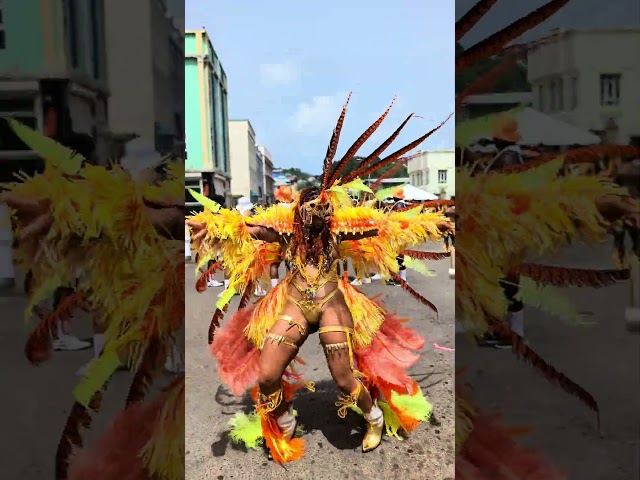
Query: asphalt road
x=333 y=445
x=603 y=358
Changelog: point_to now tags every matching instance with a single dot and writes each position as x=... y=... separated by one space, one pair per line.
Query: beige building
x=145 y=69
x=434 y=172
x=245 y=160
x=575 y=76
x=269 y=182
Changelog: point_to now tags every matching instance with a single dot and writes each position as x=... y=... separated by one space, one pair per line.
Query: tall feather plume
x=71 y=437
x=344 y=161
x=426 y=255
x=398 y=154
x=488 y=80
x=377 y=152
x=201 y=283
x=526 y=353
x=492 y=45
x=333 y=147
x=472 y=17
x=215 y=322
x=590 y=154
x=151 y=361
x=407 y=288
x=388 y=174
x=38 y=346
x=572 y=277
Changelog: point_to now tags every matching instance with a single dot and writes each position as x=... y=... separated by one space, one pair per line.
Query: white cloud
x=278 y=74
x=318 y=116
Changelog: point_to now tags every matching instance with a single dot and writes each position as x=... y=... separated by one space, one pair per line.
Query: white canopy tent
x=537 y=128
x=417 y=194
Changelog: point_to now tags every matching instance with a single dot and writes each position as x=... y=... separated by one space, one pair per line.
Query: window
x=560 y=95
x=71 y=27
x=574 y=92
x=553 y=96
x=3 y=35
x=95 y=40
x=610 y=89
x=541 y=105
x=442 y=176
x=23 y=110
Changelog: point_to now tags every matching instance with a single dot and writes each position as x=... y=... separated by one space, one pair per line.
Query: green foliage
x=513 y=81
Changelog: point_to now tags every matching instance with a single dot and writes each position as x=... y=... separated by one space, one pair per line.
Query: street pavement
x=333 y=445
x=603 y=358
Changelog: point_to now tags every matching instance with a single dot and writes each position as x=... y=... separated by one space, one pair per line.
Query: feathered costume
x=532 y=210
x=381 y=347
x=134 y=278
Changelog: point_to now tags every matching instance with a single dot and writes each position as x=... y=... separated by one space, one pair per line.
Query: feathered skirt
x=384 y=363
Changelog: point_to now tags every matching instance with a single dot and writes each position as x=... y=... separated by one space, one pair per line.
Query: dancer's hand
x=33 y=217
x=198 y=230
x=615 y=207
x=446 y=227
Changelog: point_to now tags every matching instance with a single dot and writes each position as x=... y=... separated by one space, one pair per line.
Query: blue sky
x=291 y=66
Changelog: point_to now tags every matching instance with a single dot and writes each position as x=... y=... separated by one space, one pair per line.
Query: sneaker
x=356 y=282
x=392 y=283
x=376 y=277
x=488 y=340
x=503 y=343
x=69 y=343
x=214 y=283
x=366 y=280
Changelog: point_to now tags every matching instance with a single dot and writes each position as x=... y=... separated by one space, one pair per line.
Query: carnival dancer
x=363 y=344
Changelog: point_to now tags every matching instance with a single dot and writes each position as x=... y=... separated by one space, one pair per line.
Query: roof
x=499 y=98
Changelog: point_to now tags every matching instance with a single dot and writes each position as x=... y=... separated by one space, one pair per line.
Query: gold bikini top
x=318 y=281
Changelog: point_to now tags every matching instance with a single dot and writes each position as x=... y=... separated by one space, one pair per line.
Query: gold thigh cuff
x=279 y=339
x=292 y=323
x=332 y=347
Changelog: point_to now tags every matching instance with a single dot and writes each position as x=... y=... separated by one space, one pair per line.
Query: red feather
x=472 y=17
x=371 y=158
x=572 y=277
x=426 y=255
x=492 y=45
x=201 y=283
x=333 y=147
x=356 y=146
x=414 y=294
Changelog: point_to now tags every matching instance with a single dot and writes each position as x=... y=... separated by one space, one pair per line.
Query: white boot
x=287 y=423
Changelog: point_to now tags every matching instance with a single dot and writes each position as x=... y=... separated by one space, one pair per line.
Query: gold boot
x=373 y=437
x=375 y=424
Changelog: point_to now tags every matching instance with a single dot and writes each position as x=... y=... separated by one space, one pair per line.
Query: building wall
x=566 y=74
x=268 y=181
x=130 y=67
x=64 y=40
x=244 y=159
x=434 y=172
x=206 y=109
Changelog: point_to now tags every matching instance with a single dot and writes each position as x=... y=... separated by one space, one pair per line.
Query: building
x=269 y=181
x=434 y=172
x=246 y=162
x=481 y=105
x=53 y=73
x=206 y=115
x=145 y=76
x=575 y=77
